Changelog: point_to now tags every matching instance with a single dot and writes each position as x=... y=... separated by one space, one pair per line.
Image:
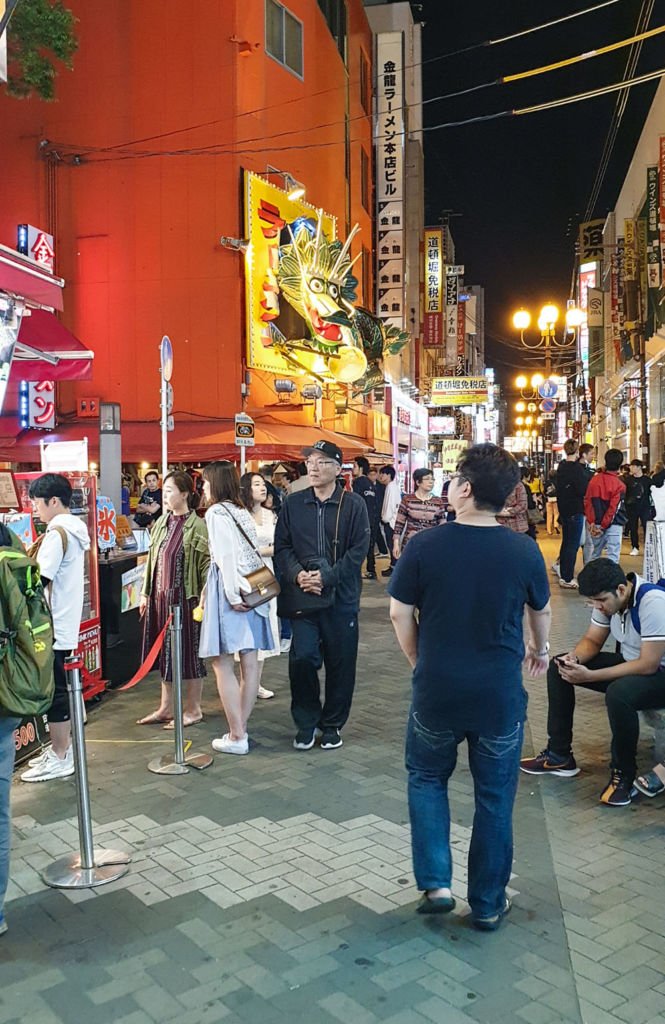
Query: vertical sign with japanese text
x=390 y=177
x=661 y=204
x=461 y=331
x=591 y=240
x=433 y=278
x=653 y=239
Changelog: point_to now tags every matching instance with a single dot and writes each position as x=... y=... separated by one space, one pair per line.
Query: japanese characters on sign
x=461 y=330
x=37 y=404
x=459 y=390
x=452 y=290
x=661 y=204
x=37 y=245
x=390 y=178
x=588 y=279
x=591 y=240
x=433 y=278
x=653 y=238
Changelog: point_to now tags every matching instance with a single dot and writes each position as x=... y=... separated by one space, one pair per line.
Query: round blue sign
x=548 y=389
x=548 y=405
x=166 y=357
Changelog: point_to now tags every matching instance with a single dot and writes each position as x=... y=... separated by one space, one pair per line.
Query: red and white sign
x=37 y=245
x=41 y=404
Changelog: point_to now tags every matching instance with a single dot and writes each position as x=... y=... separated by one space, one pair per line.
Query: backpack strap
x=642 y=592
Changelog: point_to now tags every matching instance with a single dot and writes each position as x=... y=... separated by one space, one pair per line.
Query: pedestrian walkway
x=277 y=887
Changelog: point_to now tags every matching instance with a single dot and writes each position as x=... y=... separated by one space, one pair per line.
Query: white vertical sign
x=390 y=177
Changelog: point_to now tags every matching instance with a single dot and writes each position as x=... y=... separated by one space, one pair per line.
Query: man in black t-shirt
x=470 y=583
x=363 y=486
x=638 y=502
x=149 y=508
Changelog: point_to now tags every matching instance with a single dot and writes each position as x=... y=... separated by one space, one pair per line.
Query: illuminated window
x=284 y=37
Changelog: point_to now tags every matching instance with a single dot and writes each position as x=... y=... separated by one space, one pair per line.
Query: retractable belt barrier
x=150 y=659
x=91 y=866
x=180 y=763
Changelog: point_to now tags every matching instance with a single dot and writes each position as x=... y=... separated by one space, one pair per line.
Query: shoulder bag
x=263 y=583
x=294 y=602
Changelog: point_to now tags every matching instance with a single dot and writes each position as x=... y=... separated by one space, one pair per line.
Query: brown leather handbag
x=262 y=581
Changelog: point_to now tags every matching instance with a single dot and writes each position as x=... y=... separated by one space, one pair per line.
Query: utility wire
x=545 y=69
x=299 y=99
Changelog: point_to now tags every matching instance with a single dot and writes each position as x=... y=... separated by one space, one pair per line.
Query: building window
x=334 y=11
x=365 y=181
x=284 y=37
x=364 y=83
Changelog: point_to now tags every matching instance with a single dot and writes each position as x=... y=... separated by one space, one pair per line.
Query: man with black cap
x=321 y=542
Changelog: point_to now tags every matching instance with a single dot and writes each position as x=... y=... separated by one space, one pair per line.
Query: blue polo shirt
x=470 y=585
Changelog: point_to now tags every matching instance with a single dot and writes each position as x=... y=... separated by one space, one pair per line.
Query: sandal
x=154 y=719
x=195 y=721
x=435 y=904
x=649 y=784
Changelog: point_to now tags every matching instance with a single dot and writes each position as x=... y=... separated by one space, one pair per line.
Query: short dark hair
x=637 y=462
x=420 y=474
x=151 y=472
x=224 y=484
x=570 y=446
x=52 y=485
x=599 y=576
x=492 y=472
x=362 y=463
x=613 y=459
x=584 y=448
x=389 y=471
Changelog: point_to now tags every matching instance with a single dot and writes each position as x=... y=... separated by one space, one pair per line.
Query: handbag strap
x=245 y=535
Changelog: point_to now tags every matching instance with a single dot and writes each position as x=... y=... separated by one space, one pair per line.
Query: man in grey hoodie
x=61 y=559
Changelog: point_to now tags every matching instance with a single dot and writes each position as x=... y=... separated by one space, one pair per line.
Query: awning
x=191 y=441
x=25 y=279
x=46 y=350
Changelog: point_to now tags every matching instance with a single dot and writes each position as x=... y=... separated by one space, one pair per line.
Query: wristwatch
x=542 y=654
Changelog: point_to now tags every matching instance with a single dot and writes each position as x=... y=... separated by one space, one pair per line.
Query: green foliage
x=40 y=30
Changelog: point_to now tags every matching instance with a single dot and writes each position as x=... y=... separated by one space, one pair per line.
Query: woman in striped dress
x=176 y=573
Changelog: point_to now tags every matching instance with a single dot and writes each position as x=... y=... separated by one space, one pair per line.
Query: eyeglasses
x=317 y=463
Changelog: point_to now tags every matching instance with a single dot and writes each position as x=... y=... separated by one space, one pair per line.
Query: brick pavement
x=279 y=885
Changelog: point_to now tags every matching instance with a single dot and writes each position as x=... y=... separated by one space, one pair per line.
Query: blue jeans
x=571 y=533
x=431 y=755
x=7 y=752
x=610 y=539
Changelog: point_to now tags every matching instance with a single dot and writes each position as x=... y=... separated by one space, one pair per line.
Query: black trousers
x=390 y=533
x=635 y=517
x=373 y=533
x=328 y=638
x=624 y=697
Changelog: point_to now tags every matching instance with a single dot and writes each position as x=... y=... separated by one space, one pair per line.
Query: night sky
x=522 y=184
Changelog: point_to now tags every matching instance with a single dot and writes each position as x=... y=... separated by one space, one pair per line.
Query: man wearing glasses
x=458 y=598
x=321 y=541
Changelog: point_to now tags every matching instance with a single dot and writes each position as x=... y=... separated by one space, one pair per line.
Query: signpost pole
x=165 y=434
x=166 y=372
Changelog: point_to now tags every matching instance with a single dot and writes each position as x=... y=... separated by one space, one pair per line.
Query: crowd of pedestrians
x=315 y=533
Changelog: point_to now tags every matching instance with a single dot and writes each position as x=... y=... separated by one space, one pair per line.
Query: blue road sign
x=548 y=405
x=548 y=389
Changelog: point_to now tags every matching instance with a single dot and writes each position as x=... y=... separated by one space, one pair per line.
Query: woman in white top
x=254 y=494
x=229 y=626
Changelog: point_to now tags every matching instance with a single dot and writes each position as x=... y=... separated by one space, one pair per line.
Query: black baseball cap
x=327 y=448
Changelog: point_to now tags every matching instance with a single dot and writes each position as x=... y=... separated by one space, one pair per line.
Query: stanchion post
x=91 y=867
x=180 y=763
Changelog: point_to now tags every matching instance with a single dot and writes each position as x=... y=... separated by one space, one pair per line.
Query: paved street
x=278 y=886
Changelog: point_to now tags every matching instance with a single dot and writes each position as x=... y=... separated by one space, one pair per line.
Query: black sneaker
x=617 y=790
x=369 y=576
x=306 y=738
x=547 y=763
x=330 y=739
x=490 y=924
x=388 y=571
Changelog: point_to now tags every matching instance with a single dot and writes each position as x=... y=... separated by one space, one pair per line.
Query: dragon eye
x=317 y=285
x=333 y=290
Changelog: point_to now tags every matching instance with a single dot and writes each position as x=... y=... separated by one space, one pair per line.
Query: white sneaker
x=264 y=694
x=39 y=758
x=51 y=767
x=556 y=570
x=569 y=585
x=635 y=551
x=228 y=746
x=285 y=645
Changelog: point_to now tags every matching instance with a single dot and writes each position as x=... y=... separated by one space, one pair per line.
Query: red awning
x=42 y=332
x=191 y=441
x=25 y=279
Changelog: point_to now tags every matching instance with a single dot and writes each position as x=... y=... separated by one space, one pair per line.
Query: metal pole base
x=67 y=873
x=167 y=765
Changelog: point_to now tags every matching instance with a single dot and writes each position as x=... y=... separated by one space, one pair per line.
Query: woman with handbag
x=254 y=494
x=175 y=573
x=236 y=614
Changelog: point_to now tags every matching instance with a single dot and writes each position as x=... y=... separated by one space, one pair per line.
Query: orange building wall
x=137 y=228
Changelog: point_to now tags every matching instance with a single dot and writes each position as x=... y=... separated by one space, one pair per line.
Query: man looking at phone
x=467 y=656
x=632 y=681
